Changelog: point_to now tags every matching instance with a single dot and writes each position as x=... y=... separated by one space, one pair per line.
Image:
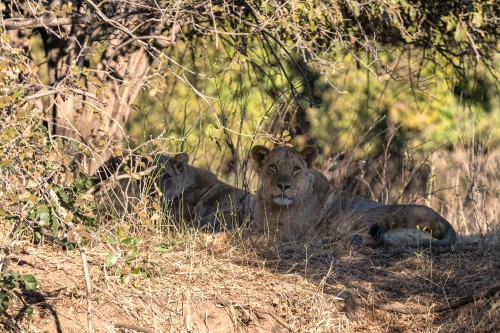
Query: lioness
x=190 y=194
x=294 y=201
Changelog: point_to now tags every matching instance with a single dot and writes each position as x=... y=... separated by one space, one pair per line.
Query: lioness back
x=294 y=201
x=191 y=195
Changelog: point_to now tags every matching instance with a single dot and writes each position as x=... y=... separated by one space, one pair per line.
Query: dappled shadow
x=37 y=300
x=392 y=283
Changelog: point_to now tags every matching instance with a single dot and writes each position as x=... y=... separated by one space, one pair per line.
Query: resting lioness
x=294 y=201
x=190 y=194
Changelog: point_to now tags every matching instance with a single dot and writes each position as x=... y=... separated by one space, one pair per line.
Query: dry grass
x=181 y=280
x=224 y=284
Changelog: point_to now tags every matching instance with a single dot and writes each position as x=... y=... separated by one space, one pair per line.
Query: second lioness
x=191 y=195
x=294 y=201
x=197 y=195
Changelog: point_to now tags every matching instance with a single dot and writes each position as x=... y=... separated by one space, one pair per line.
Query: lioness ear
x=259 y=153
x=180 y=160
x=310 y=153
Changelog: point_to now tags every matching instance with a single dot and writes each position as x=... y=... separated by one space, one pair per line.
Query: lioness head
x=171 y=175
x=284 y=172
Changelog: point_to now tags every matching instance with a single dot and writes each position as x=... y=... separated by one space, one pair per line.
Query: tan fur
x=194 y=195
x=294 y=202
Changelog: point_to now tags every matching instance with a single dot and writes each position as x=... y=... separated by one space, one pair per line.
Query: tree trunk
x=79 y=112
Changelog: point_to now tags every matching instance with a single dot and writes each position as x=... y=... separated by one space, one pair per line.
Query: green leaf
x=30 y=282
x=63 y=196
x=43 y=215
x=477 y=20
x=79 y=184
x=208 y=130
x=4 y=302
x=163 y=247
x=111 y=240
x=131 y=255
x=29 y=311
x=9 y=133
x=55 y=225
x=88 y=183
x=111 y=259
x=129 y=241
x=356 y=9
x=460 y=32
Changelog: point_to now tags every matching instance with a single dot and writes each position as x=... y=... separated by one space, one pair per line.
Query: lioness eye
x=166 y=177
x=273 y=167
x=296 y=169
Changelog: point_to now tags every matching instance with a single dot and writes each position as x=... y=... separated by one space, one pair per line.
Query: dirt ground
x=225 y=284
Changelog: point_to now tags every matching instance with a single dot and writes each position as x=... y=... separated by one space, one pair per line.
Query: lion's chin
x=282 y=201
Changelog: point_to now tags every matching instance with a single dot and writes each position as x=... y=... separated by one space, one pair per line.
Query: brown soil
x=223 y=284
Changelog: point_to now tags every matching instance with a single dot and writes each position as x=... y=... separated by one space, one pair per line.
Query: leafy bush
x=12 y=285
x=38 y=186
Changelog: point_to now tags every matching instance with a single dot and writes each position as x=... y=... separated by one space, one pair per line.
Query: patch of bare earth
x=225 y=284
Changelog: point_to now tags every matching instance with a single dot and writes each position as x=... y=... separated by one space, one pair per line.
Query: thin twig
x=264 y=35
x=279 y=320
x=88 y=284
x=44 y=233
x=114 y=178
x=134 y=327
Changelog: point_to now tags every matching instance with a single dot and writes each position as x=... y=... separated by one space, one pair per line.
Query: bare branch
x=40 y=22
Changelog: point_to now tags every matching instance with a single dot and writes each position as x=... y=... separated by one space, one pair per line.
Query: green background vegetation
x=433 y=105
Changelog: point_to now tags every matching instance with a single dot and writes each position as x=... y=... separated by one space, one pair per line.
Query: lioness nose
x=283 y=187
